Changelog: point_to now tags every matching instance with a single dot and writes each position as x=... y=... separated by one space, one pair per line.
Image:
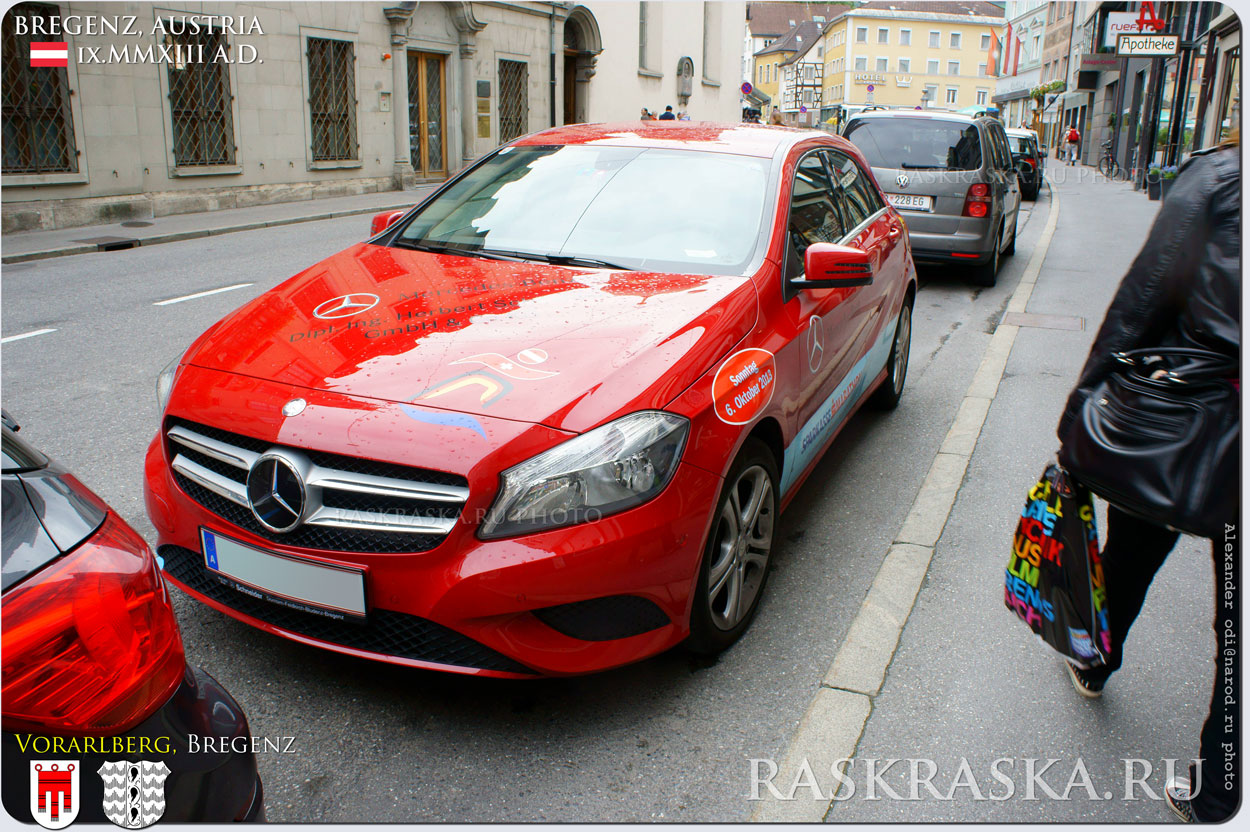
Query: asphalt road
x=667 y=739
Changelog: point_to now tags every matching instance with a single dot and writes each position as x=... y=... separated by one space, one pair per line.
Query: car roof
x=1021 y=132
x=737 y=138
x=946 y=115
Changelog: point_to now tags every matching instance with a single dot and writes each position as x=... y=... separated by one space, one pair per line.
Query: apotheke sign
x=1147 y=46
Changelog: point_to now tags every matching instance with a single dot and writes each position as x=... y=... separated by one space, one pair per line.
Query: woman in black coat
x=1183 y=290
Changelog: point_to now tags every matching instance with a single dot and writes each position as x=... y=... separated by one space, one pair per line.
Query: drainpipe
x=552 y=64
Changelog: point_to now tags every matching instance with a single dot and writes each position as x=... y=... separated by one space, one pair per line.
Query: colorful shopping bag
x=1054 y=580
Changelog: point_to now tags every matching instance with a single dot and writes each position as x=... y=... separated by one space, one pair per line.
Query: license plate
x=911 y=202
x=330 y=591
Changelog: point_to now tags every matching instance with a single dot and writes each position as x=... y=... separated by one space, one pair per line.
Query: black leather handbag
x=1161 y=439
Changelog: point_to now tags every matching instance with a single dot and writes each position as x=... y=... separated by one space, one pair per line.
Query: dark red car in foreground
x=93 y=660
x=543 y=423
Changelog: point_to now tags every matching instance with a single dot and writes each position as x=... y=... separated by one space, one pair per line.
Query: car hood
x=565 y=347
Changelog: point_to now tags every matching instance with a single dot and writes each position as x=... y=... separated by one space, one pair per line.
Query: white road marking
x=30 y=334
x=202 y=294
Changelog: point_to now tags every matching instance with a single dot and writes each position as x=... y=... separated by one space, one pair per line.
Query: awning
x=758 y=98
x=1011 y=96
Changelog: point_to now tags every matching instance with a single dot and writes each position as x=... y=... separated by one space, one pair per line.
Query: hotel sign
x=868 y=78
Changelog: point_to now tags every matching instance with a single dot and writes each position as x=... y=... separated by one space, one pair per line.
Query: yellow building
x=770 y=61
x=902 y=49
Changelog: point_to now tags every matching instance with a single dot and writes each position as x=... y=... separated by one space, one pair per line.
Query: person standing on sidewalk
x=1183 y=290
x=1074 y=144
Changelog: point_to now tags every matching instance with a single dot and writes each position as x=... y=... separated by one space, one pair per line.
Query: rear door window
x=917 y=143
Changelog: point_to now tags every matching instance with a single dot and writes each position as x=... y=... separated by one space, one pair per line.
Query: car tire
x=732 y=565
x=1015 y=225
x=890 y=393
x=986 y=274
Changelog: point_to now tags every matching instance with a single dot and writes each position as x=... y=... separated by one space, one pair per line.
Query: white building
x=1020 y=61
x=658 y=54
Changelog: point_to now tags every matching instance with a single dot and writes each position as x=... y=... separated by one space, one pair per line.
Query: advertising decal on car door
x=811 y=438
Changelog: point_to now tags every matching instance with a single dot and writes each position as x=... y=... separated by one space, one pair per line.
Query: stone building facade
x=164 y=108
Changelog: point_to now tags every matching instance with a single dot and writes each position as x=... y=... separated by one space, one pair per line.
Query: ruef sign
x=1147 y=46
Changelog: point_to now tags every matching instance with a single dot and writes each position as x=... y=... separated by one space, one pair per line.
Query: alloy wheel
x=743 y=543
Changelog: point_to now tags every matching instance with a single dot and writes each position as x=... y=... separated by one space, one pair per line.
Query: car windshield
x=917 y=143
x=645 y=209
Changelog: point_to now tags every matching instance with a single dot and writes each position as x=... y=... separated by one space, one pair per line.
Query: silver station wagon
x=952 y=177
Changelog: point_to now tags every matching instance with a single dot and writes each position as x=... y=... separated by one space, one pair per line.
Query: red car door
x=878 y=230
x=820 y=327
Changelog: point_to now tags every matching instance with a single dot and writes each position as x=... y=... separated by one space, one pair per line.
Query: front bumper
x=542 y=604
x=215 y=786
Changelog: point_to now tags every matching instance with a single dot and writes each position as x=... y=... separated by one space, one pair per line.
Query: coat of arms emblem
x=54 y=792
x=134 y=793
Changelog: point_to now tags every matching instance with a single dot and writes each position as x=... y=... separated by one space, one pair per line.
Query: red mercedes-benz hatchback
x=544 y=422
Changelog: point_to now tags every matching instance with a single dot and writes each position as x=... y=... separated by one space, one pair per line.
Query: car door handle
x=895 y=231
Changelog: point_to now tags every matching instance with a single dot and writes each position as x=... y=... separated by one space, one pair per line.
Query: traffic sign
x=871 y=88
x=802 y=109
x=746 y=87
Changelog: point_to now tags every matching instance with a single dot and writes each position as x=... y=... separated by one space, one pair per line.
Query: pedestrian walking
x=1182 y=291
x=775 y=118
x=646 y=114
x=1074 y=143
x=667 y=115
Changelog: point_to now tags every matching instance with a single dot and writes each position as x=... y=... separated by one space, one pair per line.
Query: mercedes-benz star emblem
x=275 y=491
x=902 y=180
x=815 y=343
x=294 y=407
x=344 y=306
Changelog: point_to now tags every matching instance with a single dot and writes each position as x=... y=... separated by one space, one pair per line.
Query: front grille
x=604 y=619
x=387 y=632
x=351 y=505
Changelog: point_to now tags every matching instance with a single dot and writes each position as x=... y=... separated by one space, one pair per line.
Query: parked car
x=1029 y=160
x=952 y=177
x=92 y=649
x=544 y=423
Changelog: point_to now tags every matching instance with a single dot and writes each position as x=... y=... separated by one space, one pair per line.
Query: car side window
x=813 y=215
x=859 y=196
x=1002 y=154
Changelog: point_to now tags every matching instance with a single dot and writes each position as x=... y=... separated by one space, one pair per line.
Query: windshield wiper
x=561 y=259
x=485 y=254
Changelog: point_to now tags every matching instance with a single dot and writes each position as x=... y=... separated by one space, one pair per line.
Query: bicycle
x=1107 y=164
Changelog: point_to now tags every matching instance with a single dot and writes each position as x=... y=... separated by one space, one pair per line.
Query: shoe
x=1177 y=791
x=1085 y=686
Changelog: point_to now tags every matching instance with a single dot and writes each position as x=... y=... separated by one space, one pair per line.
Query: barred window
x=332 y=99
x=38 y=130
x=199 y=101
x=513 y=100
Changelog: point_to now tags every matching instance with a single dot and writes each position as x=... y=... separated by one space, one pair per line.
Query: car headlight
x=165 y=383
x=609 y=469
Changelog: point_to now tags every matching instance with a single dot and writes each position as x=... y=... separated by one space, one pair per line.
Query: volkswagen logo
x=902 y=180
x=344 y=306
x=275 y=492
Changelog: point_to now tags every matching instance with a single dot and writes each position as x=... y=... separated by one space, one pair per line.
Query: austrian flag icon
x=49 y=53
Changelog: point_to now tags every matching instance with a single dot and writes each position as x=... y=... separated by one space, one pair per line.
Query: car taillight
x=91 y=645
x=977 y=203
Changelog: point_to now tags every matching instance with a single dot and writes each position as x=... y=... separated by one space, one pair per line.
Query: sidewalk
x=968 y=682
x=34 y=245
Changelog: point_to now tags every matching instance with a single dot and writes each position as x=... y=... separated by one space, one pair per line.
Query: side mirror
x=828 y=266
x=383 y=221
